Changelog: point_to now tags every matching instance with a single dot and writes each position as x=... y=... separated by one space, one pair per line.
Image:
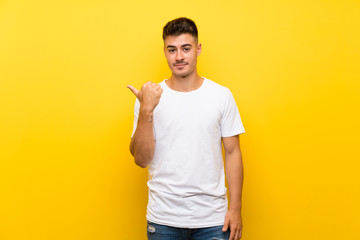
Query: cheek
x=193 y=58
x=168 y=58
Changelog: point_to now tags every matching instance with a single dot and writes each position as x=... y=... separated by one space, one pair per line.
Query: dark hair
x=179 y=26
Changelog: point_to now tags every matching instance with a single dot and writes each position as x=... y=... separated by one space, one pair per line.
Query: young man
x=178 y=129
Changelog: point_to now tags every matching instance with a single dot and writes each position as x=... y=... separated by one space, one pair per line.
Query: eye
x=171 y=50
x=186 y=49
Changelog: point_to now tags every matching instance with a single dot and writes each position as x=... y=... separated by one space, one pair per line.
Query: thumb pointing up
x=134 y=90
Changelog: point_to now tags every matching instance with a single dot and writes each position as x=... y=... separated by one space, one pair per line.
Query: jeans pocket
x=150 y=227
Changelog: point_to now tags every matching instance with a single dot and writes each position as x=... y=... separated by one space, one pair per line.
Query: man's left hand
x=234 y=221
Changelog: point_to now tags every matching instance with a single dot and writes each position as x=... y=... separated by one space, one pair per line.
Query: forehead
x=178 y=41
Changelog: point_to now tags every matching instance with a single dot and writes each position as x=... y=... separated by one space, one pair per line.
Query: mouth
x=180 y=65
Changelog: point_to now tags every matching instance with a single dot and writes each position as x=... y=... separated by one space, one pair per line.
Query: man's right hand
x=148 y=96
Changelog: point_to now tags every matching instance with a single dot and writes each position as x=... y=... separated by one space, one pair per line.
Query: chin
x=181 y=74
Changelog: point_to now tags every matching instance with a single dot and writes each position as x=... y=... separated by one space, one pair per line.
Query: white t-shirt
x=186 y=175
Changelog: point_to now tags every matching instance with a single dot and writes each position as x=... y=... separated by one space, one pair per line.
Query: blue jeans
x=162 y=232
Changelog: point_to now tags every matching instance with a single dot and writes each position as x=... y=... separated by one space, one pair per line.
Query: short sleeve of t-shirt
x=136 y=115
x=230 y=123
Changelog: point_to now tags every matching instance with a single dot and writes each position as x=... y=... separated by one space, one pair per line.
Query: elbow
x=131 y=147
x=143 y=160
x=141 y=163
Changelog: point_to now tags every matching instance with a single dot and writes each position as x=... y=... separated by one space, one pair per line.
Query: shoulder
x=162 y=83
x=217 y=88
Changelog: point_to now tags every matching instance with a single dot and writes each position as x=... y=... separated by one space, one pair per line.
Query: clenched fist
x=149 y=95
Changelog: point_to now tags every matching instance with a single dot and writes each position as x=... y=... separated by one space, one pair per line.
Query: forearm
x=142 y=145
x=234 y=174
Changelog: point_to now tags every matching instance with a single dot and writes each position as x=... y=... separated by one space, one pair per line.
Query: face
x=181 y=53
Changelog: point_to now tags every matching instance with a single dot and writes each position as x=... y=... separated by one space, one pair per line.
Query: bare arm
x=234 y=175
x=142 y=145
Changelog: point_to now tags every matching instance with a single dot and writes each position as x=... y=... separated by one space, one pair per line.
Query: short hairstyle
x=179 y=26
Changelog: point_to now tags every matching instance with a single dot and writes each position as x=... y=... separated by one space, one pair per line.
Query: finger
x=240 y=233
x=232 y=234
x=134 y=90
x=234 y=229
x=237 y=235
x=147 y=83
x=155 y=86
x=226 y=225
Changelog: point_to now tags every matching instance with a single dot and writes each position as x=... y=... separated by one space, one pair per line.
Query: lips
x=180 y=65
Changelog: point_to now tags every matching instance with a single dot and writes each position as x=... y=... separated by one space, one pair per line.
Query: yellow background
x=66 y=114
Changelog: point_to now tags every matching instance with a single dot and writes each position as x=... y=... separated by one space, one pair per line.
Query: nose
x=179 y=56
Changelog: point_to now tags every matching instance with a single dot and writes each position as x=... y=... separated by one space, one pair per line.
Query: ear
x=199 y=49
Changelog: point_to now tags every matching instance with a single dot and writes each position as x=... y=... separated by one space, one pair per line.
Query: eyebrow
x=185 y=45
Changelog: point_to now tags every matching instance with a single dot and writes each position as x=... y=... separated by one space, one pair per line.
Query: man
x=178 y=129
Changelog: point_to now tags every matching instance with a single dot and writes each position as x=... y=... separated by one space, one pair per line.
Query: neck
x=186 y=83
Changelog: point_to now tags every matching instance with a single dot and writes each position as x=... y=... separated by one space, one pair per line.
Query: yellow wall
x=66 y=114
